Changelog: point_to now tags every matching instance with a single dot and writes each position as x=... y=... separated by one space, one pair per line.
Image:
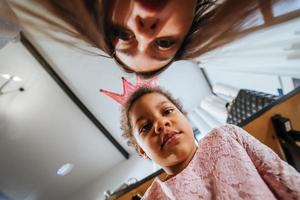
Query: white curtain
x=274 y=51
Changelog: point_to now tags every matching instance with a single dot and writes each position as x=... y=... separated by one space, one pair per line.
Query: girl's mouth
x=152 y=5
x=169 y=138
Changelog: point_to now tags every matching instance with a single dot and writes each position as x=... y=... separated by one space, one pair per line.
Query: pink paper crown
x=129 y=88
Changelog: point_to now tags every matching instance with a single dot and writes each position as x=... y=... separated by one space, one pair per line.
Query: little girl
x=227 y=163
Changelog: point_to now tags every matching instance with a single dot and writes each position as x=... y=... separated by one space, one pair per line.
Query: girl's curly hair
x=125 y=118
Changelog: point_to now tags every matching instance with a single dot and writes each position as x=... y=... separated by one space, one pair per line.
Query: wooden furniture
x=141 y=189
x=259 y=125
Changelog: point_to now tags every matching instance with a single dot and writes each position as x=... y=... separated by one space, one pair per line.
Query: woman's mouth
x=152 y=5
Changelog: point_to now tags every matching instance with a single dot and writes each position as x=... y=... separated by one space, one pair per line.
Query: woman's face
x=147 y=34
x=162 y=132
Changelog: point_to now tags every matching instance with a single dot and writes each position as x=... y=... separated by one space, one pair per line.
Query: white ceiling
x=42 y=129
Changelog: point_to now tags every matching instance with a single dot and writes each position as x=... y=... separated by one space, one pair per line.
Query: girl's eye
x=145 y=128
x=164 y=43
x=122 y=34
x=168 y=111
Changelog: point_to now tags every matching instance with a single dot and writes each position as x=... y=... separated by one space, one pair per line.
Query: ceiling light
x=6 y=76
x=9 y=78
x=16 y=78
x=65 y=169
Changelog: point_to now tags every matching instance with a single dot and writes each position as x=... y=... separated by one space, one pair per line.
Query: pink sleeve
x=281 y=178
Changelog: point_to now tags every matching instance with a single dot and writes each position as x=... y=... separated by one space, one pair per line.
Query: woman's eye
x=122 y=34
x=164 y=43
x=145 y=128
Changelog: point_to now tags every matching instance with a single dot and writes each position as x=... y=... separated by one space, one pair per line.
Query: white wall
x=259 y=82
x=185 y=81
x=253 y=81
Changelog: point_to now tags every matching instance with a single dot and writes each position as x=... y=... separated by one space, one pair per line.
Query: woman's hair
x=87 y=19
x=125 y=118
x=216 y=22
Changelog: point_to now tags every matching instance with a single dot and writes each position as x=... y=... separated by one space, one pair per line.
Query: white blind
x=275 y=51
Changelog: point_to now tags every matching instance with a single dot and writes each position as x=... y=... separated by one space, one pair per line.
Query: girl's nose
x=161 y=125
x=146 y=26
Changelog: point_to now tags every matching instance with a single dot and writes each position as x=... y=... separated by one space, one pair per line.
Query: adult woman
x=146 y=36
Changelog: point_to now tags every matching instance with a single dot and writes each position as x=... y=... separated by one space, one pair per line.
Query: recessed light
x=65 y=169
x=6 y=76
x=16 y=78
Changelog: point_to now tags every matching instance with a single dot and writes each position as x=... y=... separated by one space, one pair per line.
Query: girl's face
x=147 y=34
x=162 y=132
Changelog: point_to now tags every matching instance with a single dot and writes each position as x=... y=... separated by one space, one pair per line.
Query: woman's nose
x=147 y=26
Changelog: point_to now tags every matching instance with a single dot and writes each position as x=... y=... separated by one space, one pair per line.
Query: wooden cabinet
x=141 y=189
x=260 y=125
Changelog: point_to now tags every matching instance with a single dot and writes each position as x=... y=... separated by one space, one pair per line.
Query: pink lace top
x=230 y=164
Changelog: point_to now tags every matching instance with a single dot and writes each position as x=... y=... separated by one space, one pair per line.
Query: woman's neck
x=176 y=169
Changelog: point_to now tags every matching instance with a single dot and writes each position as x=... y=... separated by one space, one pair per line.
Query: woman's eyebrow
x=160 y=58
x=125 y=51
